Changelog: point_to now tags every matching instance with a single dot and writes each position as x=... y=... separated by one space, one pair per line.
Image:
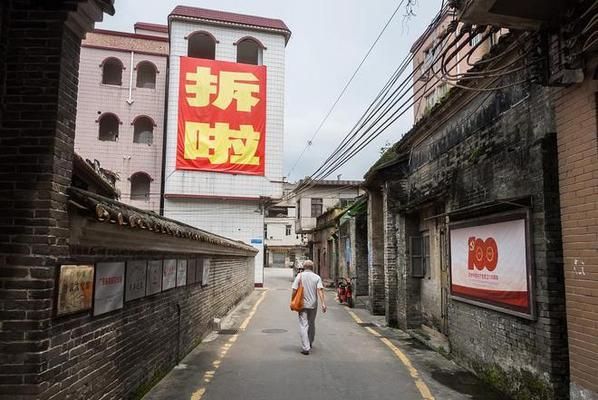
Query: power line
x=380 y=101
x=309 y=143
x=338 y=160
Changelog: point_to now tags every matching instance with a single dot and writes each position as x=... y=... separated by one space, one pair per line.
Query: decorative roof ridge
x=111 y=211
x=97 y=173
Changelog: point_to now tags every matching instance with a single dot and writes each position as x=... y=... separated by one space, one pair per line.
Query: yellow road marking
x=355 y=317
x=424 y=390
x=372 y=331
x=198 y=394
x=209 y=375
x=253 y=310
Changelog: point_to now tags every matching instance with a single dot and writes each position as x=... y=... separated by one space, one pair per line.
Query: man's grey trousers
x=307 y=327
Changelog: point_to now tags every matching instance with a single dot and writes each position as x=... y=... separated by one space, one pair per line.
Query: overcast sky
x=330 y=37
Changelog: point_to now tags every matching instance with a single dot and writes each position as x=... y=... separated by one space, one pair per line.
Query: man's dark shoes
x=305 y=352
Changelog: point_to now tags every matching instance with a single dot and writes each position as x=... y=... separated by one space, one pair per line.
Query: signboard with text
x=181 y=273
x=109 y=287
x=135 y=280
x=490 y=263
x=191 y=271
x=205 y=271
x=169 y=274
x=75 y=288
x=222 y=117
x=154 y=277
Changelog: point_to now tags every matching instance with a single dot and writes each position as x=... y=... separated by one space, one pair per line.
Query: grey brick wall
x=42 y=356
x=390 y=260
x=375 y=242
x=501 y=145
x=113 y=355
x=38 y=66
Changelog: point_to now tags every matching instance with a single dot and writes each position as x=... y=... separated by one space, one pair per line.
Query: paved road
x=348 y=361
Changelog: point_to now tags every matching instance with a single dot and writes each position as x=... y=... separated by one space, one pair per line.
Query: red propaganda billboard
x=222 y=117
x=490 y=263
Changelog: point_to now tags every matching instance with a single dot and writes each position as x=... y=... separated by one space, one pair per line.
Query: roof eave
x=284 y=32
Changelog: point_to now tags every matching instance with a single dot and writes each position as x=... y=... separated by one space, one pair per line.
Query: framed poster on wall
x=169 y=274
x=491 y=263
x=205 y=271
x=154 y=277
x=109 y=287
x=191 y=271
x=75 y=289
x=136 y=279
x=181 y=272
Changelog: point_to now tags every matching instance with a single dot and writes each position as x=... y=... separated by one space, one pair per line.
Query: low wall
x=93 y=353
x=119 y=354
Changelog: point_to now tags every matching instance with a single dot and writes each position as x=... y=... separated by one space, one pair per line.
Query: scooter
x=344 y=290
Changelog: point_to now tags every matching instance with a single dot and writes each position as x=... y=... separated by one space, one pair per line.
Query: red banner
x=222 y=117
x=489 y=262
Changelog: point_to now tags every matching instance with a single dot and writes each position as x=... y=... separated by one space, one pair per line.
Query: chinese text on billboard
x=222 y=117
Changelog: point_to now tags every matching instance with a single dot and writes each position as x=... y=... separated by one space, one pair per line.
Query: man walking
x=312 y=289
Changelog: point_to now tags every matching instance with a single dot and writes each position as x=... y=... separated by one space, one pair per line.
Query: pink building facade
x=431 y=84
x=120 y=108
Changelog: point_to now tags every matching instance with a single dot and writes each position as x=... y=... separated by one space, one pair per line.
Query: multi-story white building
x=283 y=245
x=120 y=108
x=320 y=196
x=227 y=202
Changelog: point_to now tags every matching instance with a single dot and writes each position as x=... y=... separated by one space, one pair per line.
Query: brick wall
x=115 y=355
x=576 y=119
x=497 y=145
x=39 y=65
x=375 y=242
x=42 y=356
x=390 y=260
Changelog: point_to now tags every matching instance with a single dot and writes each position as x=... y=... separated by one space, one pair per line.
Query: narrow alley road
x=348 y=360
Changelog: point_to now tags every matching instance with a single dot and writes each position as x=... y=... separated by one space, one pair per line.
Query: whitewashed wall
x=219 y=184
x=236 y=219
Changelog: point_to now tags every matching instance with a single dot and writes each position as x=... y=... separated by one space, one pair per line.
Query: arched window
x=201 y=45
x=143 y=130
x=140 y=186
x=112 y=71
x=249 y=51
x=108 y=127
x=146 y=75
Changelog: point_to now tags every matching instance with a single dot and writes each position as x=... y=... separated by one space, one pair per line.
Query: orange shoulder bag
x=297 y=301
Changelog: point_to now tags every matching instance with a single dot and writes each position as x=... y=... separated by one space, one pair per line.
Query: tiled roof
x=146 y=26
x=90 y=172
x=332 y=182
x=103 y=209
x=223 y=16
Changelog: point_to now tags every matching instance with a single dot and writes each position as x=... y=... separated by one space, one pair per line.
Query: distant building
x=430 y=86
x=320 y=196
x=282 y=244
x=224 y=155
x=318 y=203
x=120 y=108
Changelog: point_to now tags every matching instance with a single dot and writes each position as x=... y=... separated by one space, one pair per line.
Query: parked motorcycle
x=344 y=290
